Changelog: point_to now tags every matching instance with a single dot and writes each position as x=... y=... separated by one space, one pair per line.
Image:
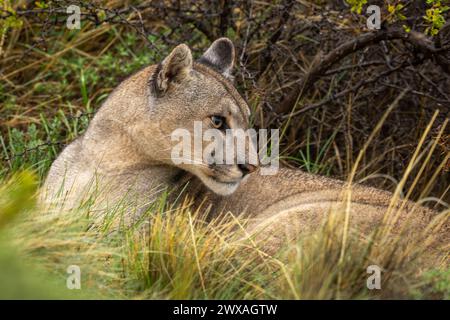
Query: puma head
x=183 y=92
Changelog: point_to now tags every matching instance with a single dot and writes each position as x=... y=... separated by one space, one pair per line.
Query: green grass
x=55 y=104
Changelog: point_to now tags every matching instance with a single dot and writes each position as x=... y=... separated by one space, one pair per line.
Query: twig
x=322 y=63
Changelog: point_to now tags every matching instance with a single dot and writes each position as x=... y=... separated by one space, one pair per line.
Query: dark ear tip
x=225 y=46
x=224 y=40
x=220 y=56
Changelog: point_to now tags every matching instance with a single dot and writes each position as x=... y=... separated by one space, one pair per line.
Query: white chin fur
x=223 y=189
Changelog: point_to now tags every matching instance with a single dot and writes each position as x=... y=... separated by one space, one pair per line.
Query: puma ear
x=220 y=56
x=174 y=68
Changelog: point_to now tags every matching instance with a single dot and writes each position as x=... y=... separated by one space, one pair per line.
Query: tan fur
x=125 y=154
x=293 y=203
x=126 y=150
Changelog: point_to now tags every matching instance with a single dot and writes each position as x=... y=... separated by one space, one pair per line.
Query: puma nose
x=246 y=168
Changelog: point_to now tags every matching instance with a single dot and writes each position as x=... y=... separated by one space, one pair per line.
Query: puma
x=125 y=153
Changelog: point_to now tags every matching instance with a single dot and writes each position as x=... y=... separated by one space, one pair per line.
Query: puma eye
x=218 y=122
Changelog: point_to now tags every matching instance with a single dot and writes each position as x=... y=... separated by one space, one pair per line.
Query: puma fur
x=125 y=153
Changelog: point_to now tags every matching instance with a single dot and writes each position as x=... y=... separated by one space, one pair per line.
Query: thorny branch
x=323 y=63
